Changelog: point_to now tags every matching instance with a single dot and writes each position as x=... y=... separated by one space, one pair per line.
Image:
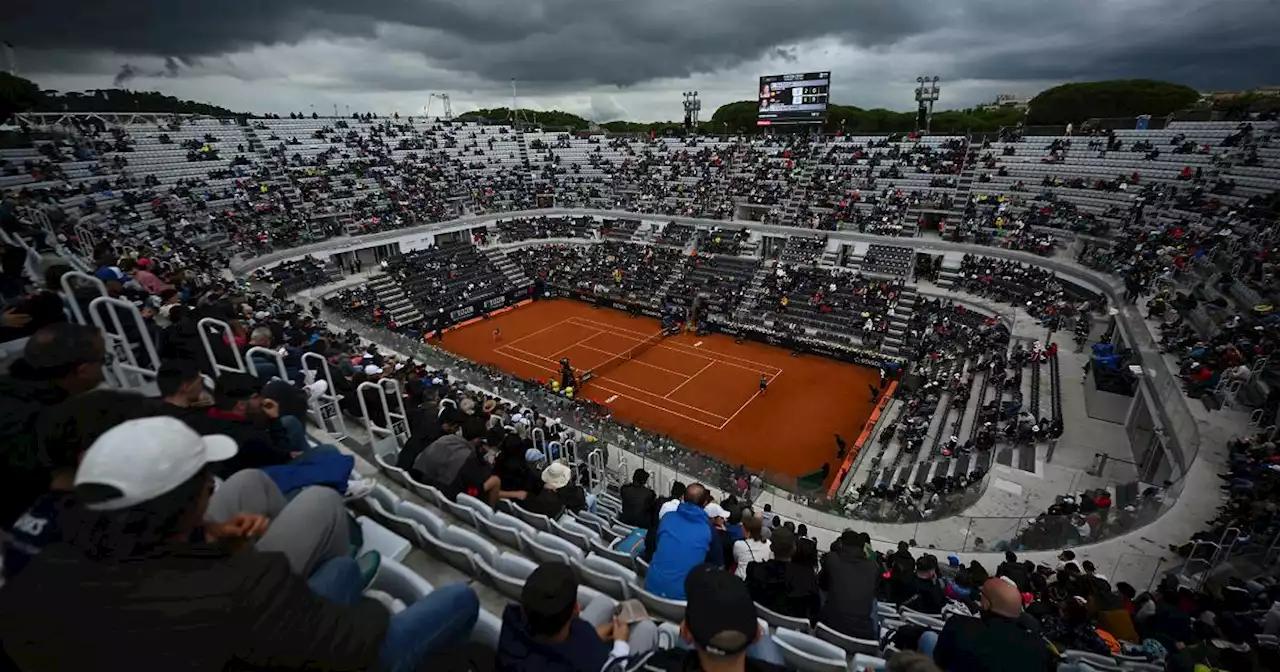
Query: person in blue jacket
x=685 y=540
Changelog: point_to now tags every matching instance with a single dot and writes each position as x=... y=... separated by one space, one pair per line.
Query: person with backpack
x=751 y=549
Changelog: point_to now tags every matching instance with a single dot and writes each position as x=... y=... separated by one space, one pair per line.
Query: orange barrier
x=865 y=436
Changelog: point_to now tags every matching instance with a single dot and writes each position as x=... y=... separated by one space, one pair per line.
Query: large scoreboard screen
x=793 y=99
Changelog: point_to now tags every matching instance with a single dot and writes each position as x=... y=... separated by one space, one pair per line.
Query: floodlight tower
x=692 y=106
x=515 y=116
x=444 y=100
x=926 y=96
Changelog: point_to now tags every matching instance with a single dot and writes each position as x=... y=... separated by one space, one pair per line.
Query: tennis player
x=764 y=383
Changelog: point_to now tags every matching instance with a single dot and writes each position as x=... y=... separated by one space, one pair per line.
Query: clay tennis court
x=704 y=391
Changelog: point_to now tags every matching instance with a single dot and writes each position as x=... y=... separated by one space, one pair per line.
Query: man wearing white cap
x=136 y=585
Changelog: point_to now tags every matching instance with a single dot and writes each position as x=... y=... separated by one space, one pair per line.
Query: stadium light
x=692 y=106
x=926 y=96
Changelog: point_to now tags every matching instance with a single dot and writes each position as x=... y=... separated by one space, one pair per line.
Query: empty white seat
x=537 y=520
x=809 y=654
x=478 y=545
x=547 y=547
x=851 y=645
x=777 y=620
x=400 y=582
x=506 y=573
x=607 y=577
x=579 y=539
x=384 y=541
x=480 y=508
x=659 y=607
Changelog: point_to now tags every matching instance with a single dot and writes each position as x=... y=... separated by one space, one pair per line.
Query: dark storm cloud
x=597 y=41
x=1208 y=45
x=624 y=42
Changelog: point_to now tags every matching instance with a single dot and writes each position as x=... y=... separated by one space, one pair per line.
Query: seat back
x=577 y=539
x=388 y=467
x=509 y=586
x=926 y=621
x=480 y=509
x=461 y=558
x=400 y=582
x=852 y=645
x=429 y=493
x=557 y=549
x=777 y=620
x=468 y=539
x=660 y=607
x=594 y=574
x=865 y=663
x=809 y=654
x=537 y=520
x=465 y=515
x=425 y=517
x=618 y=557
x=642 y=568
x=500 y=533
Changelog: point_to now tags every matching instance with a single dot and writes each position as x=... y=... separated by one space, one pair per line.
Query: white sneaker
x=360 y=487
x=316 y=388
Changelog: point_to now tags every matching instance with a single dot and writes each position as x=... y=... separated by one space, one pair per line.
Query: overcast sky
x=627 y=59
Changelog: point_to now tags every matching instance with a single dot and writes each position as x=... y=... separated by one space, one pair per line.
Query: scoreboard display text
x=793 y=99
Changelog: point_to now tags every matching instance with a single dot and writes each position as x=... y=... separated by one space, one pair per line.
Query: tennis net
x=624 y=356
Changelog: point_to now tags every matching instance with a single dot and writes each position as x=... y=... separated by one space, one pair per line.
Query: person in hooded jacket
x=58 y=362
x=685 y=540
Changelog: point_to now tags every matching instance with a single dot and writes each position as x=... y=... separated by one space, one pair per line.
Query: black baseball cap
x=549 y=594
x=927 y=563
x=237 y=387
x=720 y=615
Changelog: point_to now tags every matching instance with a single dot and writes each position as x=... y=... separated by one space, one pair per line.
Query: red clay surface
x=702 y=391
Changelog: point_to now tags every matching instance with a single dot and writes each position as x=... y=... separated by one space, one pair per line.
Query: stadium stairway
x=391 y=295
x=508 y=267
x=751 y=298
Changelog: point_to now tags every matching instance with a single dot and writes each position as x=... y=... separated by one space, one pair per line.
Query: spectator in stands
x=685 y=539
x=58 y=362
x=926 y=591
x=849 y=579
x=1015 y=571
x=751 y=549
x=453 y=464
x=639 y=502
x=720 y=624
x=241 y=412
x=136 y=586
x=148 y=280
x=430 y=428
x=550 y=630
x=548 y=502
x=997 y=641
x=781 y=585
x=63 y=433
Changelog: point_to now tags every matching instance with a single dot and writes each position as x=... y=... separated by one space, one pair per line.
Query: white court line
x=622 y=384
x=567 y=319
x=709 y=365
x=617 y=394
x=552 y=356
x=636 y=361
x=684 y=349
x=748 y=403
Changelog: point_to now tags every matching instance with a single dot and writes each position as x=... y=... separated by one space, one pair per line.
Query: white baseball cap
x=715 y=511
x=146 y=458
